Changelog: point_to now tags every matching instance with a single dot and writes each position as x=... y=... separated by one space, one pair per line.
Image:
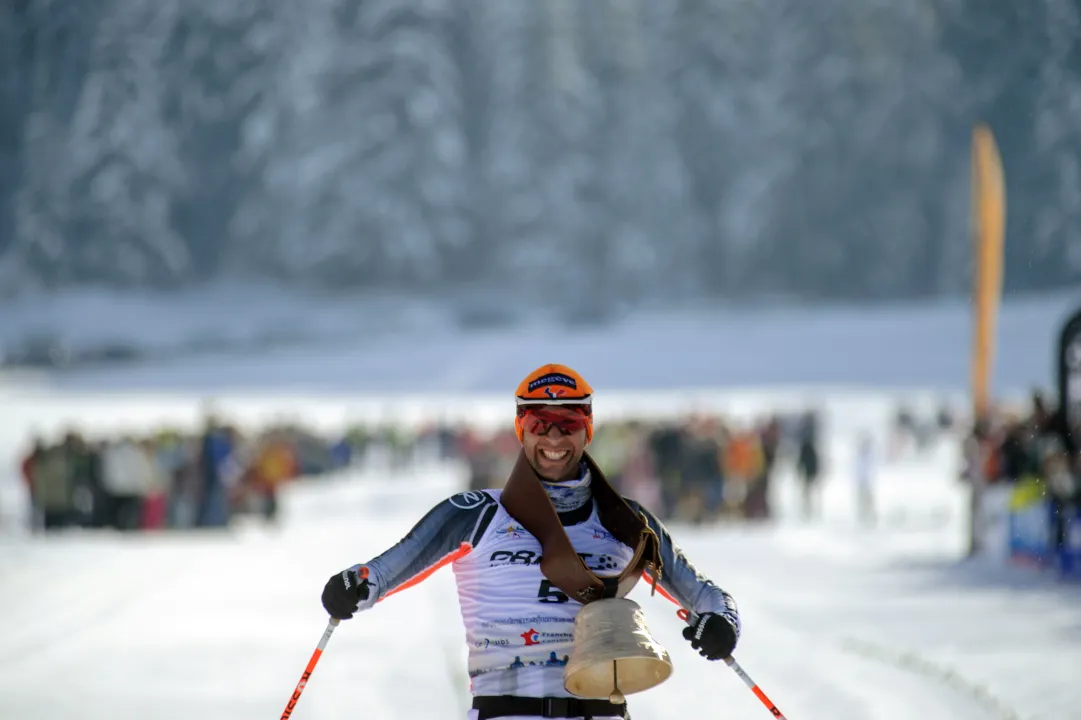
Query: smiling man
x=527 y=557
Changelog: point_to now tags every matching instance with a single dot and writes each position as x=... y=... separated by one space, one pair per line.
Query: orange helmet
x=554 y=384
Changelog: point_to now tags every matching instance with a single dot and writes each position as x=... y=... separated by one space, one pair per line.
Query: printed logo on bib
x=513 y=531
x=468 y=500
x=489 y=642
x=530 y=557
x=514 y=557
x=553 y=660
x=532 y=637
x=529 y=620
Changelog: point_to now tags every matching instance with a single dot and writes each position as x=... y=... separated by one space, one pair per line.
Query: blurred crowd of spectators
x=1011 y=446
x=1033 y=446
x=698 y=469
x=169 y=479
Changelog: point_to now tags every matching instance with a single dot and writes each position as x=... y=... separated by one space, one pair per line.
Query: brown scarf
x=526 y=500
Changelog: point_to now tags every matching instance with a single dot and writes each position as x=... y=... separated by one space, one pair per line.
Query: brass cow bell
x=613 y=653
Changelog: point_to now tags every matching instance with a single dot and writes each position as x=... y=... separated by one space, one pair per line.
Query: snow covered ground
x=840 y=622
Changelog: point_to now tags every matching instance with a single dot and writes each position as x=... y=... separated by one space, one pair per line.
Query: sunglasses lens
x=539 y=420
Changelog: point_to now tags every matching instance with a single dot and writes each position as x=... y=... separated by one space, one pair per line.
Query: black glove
x=344 y=591
x=713 y=636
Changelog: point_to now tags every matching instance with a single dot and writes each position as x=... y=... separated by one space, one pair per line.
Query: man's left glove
x=345 y=591
x=713 y=636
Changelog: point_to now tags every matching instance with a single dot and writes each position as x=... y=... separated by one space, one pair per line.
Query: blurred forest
x=612 y=152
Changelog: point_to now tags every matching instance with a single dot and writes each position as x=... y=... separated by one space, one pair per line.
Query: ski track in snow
x=839 y=622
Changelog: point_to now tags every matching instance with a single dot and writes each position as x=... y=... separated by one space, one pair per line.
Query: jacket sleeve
x=449 y=531
x=681 y=580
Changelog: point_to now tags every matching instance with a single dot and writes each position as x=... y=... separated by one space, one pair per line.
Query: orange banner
x=988 y=234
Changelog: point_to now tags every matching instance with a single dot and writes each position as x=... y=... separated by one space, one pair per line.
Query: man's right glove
x=713 y=636
x=345 y=591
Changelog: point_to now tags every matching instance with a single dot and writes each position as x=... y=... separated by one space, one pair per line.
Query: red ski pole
x=690 y=618
x=731 y=662
x=310 y=669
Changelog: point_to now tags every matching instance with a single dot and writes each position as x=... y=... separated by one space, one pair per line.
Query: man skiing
x=526 y=558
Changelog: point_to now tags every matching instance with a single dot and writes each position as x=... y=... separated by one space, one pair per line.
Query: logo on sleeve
x=468 y=500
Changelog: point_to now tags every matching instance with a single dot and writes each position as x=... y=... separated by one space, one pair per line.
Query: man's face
x=554 y=453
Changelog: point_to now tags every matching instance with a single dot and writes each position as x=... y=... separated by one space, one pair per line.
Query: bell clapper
x=616 y=698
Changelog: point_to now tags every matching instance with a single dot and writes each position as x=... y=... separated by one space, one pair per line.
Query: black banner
x=1069 y=377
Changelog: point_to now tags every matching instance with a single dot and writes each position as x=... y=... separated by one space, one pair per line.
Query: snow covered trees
x=602 y=153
